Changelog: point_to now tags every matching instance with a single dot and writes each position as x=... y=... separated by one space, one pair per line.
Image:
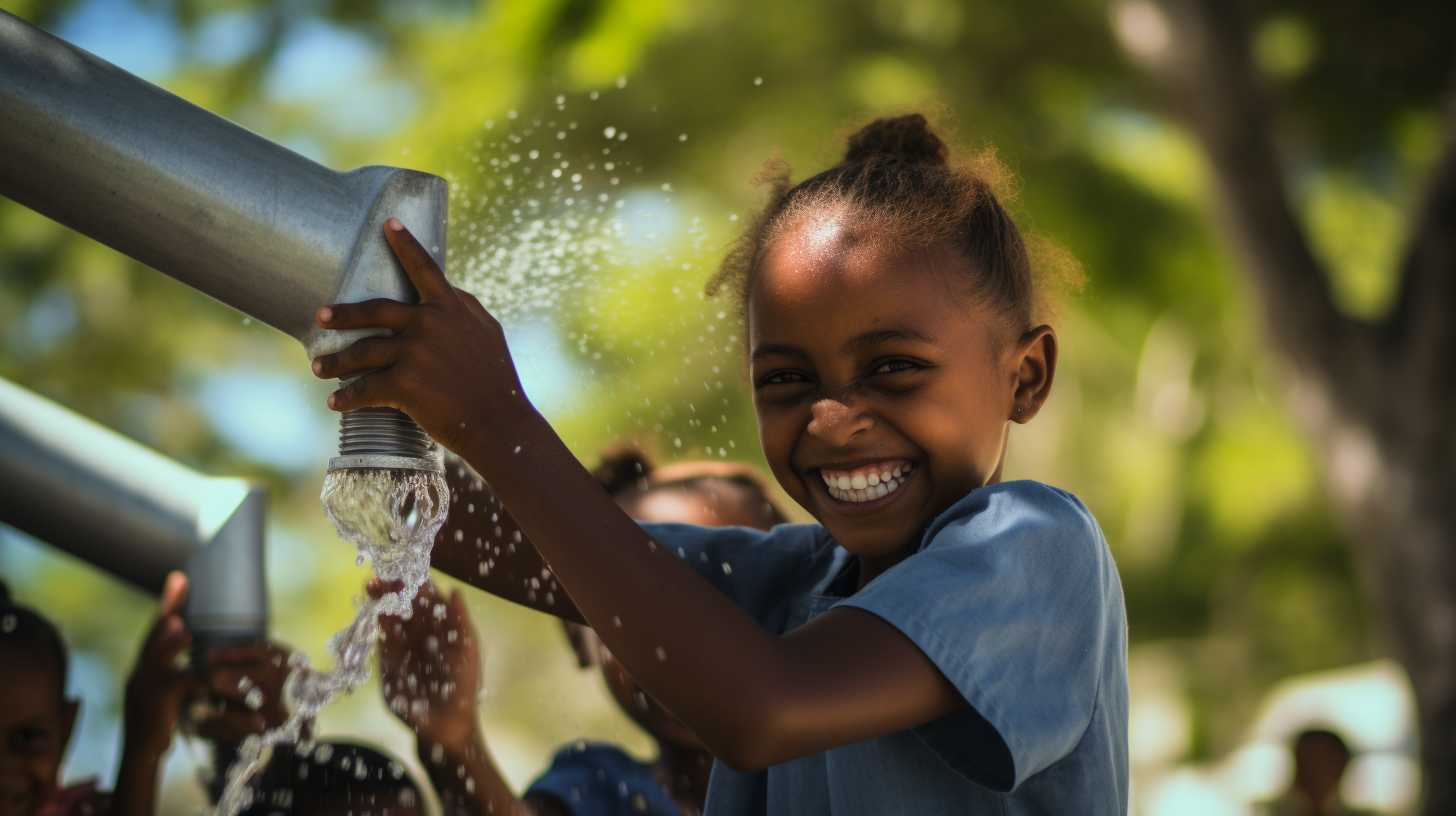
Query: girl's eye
x=782 y=377
x=34 y=740
x=896 y=366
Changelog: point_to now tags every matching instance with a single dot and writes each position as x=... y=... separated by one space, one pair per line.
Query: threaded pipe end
x=384 y=438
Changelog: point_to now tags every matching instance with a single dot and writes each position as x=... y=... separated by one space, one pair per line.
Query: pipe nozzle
x=384 y=438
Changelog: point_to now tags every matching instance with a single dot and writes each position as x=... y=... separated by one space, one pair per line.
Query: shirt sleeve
x=600 y=780
x=1011 y=597
x=757 y=570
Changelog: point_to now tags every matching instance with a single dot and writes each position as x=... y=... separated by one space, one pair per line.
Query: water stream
x=391 y=517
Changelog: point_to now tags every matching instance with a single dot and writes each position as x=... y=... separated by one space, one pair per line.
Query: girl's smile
x=866 y=484
x=883 y=388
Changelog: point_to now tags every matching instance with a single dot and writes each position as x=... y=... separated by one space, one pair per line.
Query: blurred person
x=243 y=695
x=1320 y=759
x=430 y=673
x=334 y=778
x=37 y=719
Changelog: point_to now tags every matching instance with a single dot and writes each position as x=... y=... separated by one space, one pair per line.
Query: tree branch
x=1420 y=330
x=1201 y=55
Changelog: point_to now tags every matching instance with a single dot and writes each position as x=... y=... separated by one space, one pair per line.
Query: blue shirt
x=596 y=779
x=1013 y=594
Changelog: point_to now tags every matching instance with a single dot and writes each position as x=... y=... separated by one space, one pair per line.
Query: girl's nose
x=837 y=421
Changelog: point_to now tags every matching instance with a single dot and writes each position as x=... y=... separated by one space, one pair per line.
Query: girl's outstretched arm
x=755 y=699
x=482 y=545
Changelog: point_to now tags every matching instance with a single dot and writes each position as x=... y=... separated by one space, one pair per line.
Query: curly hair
x=897 y=177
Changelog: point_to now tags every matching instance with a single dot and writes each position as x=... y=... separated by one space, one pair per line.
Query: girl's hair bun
x=623 y=468
x=906 y=138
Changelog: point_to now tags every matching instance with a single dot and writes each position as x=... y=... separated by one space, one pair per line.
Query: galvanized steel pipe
x=221 y=209
x=134 y=513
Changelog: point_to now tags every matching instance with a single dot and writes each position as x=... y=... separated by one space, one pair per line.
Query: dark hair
x=28 y=632
x=1325 y=736
x=896 y=174
x=627 y=473
x=305 y=783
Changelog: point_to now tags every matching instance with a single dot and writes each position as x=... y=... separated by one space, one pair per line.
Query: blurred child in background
x=335 y=778
x=37 y=719
x=430 y=673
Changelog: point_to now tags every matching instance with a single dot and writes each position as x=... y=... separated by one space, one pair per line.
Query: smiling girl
x=941 y=641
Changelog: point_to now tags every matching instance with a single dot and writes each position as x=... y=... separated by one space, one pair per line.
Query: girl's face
x=35 y=725
x=883 y=391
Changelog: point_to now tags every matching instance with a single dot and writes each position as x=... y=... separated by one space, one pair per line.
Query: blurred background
x=1256 y=384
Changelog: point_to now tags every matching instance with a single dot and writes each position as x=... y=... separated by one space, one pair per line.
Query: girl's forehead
x=831 y=277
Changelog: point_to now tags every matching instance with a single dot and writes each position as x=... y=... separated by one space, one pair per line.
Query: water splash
x=391 y=517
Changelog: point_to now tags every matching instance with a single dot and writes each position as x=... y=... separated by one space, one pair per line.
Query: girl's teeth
x=843 y=487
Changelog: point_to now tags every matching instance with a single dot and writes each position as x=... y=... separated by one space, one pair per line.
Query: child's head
x=1320 y=759
x=36 y=718
x=893 y=333
x=335 y=778
x=711 y=494
x=707 y=493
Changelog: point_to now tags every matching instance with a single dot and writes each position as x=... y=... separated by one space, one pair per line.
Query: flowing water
x=391 y=517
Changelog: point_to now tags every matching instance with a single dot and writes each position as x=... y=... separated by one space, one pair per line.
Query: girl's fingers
x=378 y=586
x=229 y=684
x=170 y=641
x=474 y=305
x=422 y=270
x=368 y=314
x=366 y=354
x=174 y=594
x=248 y=654
x=369 y=391
x=458 y=614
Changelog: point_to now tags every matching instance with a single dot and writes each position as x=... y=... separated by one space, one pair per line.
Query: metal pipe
x=213 y=205
x=135 y=514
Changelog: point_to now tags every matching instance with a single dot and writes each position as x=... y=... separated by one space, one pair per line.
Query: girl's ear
x=1035 y=358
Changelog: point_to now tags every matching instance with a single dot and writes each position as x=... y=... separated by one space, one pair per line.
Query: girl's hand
x=159 y=681
x=246 y=685
x=429 y=668
x=446 y=365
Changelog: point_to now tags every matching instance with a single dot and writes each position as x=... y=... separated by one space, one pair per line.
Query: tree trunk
x=1378 y=399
